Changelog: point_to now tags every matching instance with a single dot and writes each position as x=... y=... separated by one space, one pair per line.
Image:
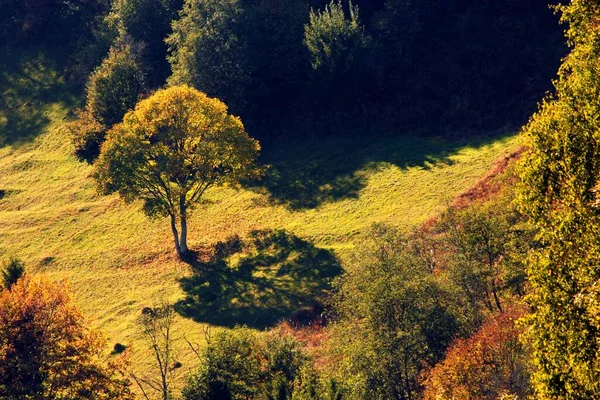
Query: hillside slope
x=117 y=260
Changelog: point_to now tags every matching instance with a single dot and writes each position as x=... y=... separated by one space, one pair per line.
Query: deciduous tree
x=47 y=352
x=392 y=320
x=170 y=150
x=560 y=176
x=486 y=365
x=208 y=50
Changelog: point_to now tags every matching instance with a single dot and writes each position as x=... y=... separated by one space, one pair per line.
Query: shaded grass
x=30 y=81
x=257 y=282
x=304 y=175
x=118 y=261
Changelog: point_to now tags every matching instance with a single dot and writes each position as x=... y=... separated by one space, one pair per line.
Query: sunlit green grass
x=118 y=261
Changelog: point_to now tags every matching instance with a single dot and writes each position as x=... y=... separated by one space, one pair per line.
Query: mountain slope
x=118 y=261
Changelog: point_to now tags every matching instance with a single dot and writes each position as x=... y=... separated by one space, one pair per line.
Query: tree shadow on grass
x=304 y=174
x=29 y=83
x=257 y=282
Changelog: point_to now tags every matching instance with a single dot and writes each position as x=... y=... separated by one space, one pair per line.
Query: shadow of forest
x=29 y=83
x=304 y=175
x=257 y=282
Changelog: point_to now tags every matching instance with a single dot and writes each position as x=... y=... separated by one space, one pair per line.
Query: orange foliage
x=45 y=349
x=487 y=365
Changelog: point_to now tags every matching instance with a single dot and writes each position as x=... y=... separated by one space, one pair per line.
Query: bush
x=87 y=136
x=230 y=369
x=488 y=365
x=12 y=272
x=241 y=364
x=116 y=85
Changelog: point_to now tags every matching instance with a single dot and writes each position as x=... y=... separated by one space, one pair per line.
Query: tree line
x=311 y=67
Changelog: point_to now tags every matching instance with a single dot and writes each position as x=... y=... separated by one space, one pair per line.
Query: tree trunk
x=183 y=216
x=176 y=236
x=496 y=299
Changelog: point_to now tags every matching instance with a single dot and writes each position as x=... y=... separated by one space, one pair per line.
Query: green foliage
x=341 y=78
x=392 y=319
x=87 y=135
x=485 y=247
x=334 y=41
x=13 y=271
x=115 y=86
x=147 y=22
x=560 y=174
x=208 y=50
x=170 y=150
x=240 y=364
x=310 y=386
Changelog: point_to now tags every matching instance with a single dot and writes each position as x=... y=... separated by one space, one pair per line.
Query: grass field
x=324 y=194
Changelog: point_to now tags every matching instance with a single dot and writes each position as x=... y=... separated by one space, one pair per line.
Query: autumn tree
x=559 y=191
x=170 y=149
x=487 y=365
x=47 y=352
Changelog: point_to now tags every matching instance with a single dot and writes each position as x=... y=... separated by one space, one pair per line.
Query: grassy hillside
x=118 y=261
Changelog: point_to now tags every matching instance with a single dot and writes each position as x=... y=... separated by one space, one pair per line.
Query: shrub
x=12 y=272
x=87 y=136
x=119 y=348
x=488 y=365
x=241 y=364
x=115 y=86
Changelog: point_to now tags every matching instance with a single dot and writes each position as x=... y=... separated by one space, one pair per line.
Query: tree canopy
x=560 y=174
x=170 y=149
x=46 y=351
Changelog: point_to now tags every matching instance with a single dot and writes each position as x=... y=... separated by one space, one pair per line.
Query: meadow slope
x=117 y=260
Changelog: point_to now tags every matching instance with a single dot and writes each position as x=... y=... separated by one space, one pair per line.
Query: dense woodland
x=434 y=67
x=495 y=298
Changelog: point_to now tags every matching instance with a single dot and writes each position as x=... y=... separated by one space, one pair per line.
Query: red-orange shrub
x=487 y=365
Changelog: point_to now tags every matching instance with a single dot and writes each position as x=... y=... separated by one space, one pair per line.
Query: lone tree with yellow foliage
x=170 y=149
